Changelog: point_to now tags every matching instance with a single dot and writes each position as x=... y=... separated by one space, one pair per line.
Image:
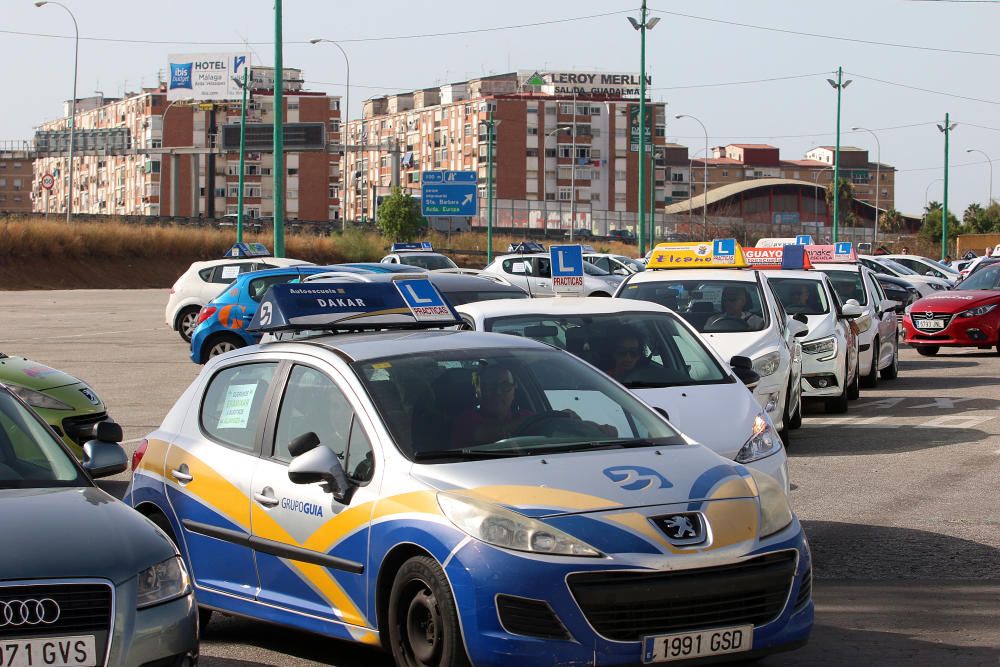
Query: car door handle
x=266 y=497
x=181 y=474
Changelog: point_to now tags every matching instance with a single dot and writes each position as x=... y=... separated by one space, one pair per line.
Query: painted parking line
x=947 y=421
x=79 y=335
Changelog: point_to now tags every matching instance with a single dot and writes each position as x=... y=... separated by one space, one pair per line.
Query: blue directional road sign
x=567 y=269
x=445 y=193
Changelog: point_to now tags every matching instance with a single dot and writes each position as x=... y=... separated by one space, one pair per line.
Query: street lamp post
x=878 y=171
x=946 y=129
x=816 y=185
x=174 y=165
x=642 y=25
x=704 y=188
x=572 y=130
x=839 y=84
x=490 y=128
x=279 y=135
x=347 y=106
x=989 y=202
x=243 y=150
x=927 y=190
x=72 y=104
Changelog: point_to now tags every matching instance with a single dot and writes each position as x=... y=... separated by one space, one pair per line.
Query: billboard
x=633 y=122
x=611 y=84
x=206 y=76
x=260 y=136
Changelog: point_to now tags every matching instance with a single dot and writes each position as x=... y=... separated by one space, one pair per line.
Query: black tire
x=927 y=350
x=187 y=322
x=838 y=404
x=220 y=344
x=797 y=417
x=204 y=615
x=423 y=619
x=870 y=381
x=854 y=389
x=891 y=372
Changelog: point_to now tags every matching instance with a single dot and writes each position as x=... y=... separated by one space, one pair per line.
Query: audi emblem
x=15 y=613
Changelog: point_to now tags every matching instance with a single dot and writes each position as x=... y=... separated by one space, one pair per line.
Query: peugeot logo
x=29 y=612
x=686 y=529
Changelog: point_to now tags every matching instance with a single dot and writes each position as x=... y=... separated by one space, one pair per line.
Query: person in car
x=734 y=303
x=497 y=415
x=627 y=361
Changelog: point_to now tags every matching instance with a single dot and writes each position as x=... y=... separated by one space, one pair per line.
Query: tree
x=930 y=229
x=978 y=220
x=399 y=216
x=846 y=195
x=891 y=221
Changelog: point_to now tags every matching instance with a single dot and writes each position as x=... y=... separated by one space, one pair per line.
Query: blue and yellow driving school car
x=462 y=497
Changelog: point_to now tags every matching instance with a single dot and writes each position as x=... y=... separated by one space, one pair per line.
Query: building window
x=152 y=166
x=532 y=152
x=333 y=192
x=583 y=152
x=725 y=172
x=532 y=131
x=550 y=196
x=619 y=197
x=565 y=108
x=565 y=194
x=565 y=173
x=677 y=178
x=293 y=172
x=661 y=131
x=619 y=174
x=550 y=152
x=233 y=190
x=250 y=190
x=550 y=110
x=566 y=151
x=595 y=196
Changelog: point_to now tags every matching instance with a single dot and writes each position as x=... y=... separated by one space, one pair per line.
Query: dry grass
x=57 y=241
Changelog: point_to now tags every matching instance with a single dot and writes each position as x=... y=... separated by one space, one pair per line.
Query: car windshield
x=30 y=456
x=711 y=306
x=594 y=270
x=801 y=296
x=940 y=265
x=987 y=279
x=848 y=285
x=472 y=404
x=429 y=262
x=896 y=266
x=634 y=265
x=462 y=298
x=639 y=349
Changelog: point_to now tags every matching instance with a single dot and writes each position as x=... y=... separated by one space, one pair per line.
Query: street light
x=816 y=186
x=72 y=104
x=989 y=202
x=491 y=129
x=704 y=193
x=642 y=25
x=572 y=183
x=946 y=129
x=243 y=151
x=839 y=84
x=878 y=168
x=347 y=105
x=279 y=133
x=927 y=189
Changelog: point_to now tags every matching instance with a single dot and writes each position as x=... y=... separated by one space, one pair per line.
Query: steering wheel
x=728 y=323
x=571 y=425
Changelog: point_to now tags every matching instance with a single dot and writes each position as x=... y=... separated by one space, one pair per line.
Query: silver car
x=84 y=579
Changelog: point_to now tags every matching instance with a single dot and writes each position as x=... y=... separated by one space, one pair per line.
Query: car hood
x=33 y=375
x=582 y=482
x=955 y=301
x=694 y=409
x=75 y=532
x=741 y=343
x=820 y=326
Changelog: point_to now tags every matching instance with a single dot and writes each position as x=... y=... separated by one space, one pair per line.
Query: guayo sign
x=206 y=76
x=612 y=84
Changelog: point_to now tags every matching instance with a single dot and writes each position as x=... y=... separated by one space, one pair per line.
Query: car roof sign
x=837 y=253
x=526 y=246
x=720 y=253
x=424 y=246
x=247 y=251
x=403 y=303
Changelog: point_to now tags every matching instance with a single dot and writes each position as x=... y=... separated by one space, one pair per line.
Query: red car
x=965 y=317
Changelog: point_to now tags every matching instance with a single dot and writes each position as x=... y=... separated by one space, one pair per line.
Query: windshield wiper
x=467 y=453
x=639 y=384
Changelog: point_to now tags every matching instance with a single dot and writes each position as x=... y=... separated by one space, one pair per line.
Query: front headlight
x=161 y=583
x=976 y=312
x=509 y=530
x=767 y=364
x=762 y=443
x=937 y=286
x=824 y=346
x=775 y=512
x=37 y=399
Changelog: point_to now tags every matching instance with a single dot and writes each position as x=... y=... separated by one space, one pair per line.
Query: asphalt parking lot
x=897 y=497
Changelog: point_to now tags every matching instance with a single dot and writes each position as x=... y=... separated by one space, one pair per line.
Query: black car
x=622 y=235
x=898 y=290
x=583 y=233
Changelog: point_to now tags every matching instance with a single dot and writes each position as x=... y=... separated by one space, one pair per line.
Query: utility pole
x=642 y=25
x=243 y=152
x=279 y=137
x=840 y=84
x=572 y=181
x=947 y=128
x=490 y=125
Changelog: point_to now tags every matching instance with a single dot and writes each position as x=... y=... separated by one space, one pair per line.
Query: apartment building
x=16 y=176
x=558 y=151
x=143 y=155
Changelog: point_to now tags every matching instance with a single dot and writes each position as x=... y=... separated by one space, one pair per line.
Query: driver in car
x=498 y=416
x=734 y=303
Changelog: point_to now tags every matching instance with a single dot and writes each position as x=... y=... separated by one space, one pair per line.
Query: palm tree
x=891 y=221
x=846 y=195
x=972 y=214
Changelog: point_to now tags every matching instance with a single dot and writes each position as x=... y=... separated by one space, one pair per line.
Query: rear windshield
x=801 y=296
x=429 y=262
x=711 y=306
x=848 y=285
x=30 y=456
x=462 y=298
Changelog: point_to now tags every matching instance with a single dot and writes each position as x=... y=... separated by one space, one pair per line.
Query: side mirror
x=103 y=459
x=743 y=369
x=107 y=431
x=852 y=310
x=663 y=412
x=798 y=328
x=800 y=317
x=320 y=464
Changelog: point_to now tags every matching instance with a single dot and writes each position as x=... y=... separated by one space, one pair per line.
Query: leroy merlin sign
x=613 y=84
x=633 y=124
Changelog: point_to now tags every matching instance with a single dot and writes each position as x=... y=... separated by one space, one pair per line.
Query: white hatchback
x=203 y=281
x=533 y=273
x=660 y=358
x=926 y=285
x=760 y=329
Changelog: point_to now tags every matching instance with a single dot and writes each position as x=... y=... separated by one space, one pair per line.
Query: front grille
x=83 y=609
x=533 y=618
x=74 y=425
x=922 y=317
x=625 y=606
x=805 y=590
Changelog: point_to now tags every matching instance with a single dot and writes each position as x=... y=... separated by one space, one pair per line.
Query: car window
x=640 y=349
x=485 y=403
x=987 y=279
x=593 y=270
x=259 y=286
x=312 y=402
x=848 y=285
x=206 y=274
x=429 y=262
x=545 y=270
x=600 y=262
x=709 y=305
x=30 y=456
x=233 y=402
x=462 y=298
x=799 y=295
x=227 y=273
x=517 y=266
x=875 y=288
x=781 y=315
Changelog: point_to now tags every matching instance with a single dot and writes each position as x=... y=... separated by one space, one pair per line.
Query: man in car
x=627 y=360
x=497 y=415
x=734 y=302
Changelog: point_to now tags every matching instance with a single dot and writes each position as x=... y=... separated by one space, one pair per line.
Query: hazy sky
x=683 y=53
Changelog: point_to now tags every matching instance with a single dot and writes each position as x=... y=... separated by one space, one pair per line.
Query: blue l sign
x=567 y=268
x=842 y=248
x=423 y=300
